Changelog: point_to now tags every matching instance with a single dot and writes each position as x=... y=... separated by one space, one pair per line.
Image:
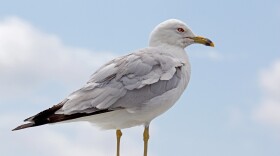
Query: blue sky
x=231 y=106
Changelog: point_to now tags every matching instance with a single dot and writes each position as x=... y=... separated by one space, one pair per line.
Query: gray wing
x=126 y=82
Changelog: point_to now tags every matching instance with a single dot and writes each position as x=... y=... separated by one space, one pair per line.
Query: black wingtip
x=24 y=126
x=28 y=119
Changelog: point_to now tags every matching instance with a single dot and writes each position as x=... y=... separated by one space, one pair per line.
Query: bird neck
x=176 y=51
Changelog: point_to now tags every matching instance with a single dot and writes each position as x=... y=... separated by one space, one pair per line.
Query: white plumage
x=134 y=89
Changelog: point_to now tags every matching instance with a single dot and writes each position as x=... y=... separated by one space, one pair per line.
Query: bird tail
x=48 y=116
x=25 y=126
x=41 y=118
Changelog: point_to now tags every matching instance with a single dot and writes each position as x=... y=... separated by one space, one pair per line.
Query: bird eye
x=180 y=30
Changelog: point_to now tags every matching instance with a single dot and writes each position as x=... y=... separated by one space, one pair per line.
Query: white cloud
x=64 y=140
x=30 y=59
x=268 y=111
x=270 y=79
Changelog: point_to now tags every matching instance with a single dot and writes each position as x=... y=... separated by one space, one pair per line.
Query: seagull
x=133 y=89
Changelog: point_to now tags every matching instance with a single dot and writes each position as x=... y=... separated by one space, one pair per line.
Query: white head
x=176 y=33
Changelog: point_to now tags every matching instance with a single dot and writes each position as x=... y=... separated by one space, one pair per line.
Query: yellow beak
x=203 y=40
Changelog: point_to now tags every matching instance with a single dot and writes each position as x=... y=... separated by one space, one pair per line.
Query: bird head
x=176 y=33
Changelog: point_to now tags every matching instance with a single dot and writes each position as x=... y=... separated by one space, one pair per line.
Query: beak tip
x=203 y=40
x=210 y=44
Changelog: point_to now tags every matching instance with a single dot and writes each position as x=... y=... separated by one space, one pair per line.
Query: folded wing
x=123 y=83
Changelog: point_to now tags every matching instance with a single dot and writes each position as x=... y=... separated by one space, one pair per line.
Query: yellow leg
x=146 y=138
x=119 y=135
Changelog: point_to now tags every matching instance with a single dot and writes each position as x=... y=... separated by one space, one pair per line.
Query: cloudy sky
x=231 y=106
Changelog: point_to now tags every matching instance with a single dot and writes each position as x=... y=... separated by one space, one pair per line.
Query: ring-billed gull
x=131 y=90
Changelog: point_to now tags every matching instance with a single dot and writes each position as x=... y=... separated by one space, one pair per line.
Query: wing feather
x=126 y=82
